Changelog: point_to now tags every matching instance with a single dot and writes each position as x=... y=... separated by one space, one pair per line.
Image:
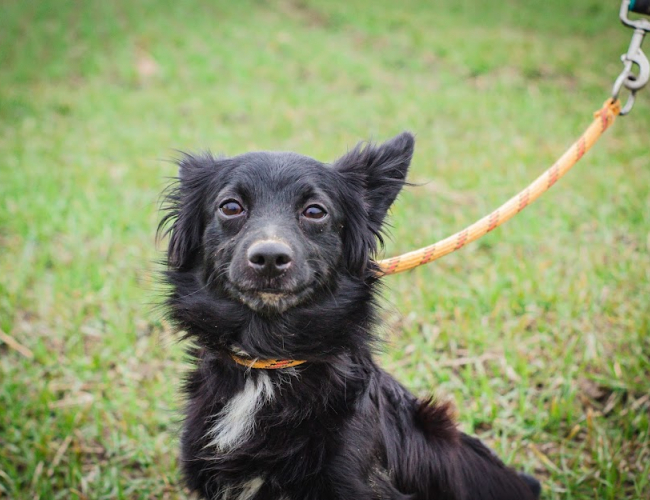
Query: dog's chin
x=270 y=301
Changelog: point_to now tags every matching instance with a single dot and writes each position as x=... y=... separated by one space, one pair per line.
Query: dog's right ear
x=185 y=217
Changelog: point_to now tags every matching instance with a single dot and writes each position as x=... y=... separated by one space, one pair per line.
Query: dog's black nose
x=269 y=258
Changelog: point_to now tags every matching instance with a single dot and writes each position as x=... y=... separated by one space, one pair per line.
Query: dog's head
x=272 y=230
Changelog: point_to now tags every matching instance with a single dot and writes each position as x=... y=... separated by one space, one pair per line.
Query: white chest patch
x=235 y=423
x=244 y=491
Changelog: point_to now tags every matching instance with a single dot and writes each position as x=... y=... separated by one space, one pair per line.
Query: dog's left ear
x=377 y=173
x=383 y=171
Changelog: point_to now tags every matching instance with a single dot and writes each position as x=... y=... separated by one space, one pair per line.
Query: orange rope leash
x=603 y=118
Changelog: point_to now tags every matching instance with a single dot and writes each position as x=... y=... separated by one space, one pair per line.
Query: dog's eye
x=231 y=208
x=314 y=212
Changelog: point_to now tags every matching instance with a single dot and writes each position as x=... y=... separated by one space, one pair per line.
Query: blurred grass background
x=540 y=332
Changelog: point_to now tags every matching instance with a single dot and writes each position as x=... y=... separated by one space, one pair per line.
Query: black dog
x=271 y=257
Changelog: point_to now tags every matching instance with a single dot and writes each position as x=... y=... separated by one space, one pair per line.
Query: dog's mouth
x=273 y=294
x=270 y=300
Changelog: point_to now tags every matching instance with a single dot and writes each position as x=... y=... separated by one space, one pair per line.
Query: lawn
x=539 y=332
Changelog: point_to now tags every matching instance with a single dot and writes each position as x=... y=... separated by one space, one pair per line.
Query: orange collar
x=269 y=364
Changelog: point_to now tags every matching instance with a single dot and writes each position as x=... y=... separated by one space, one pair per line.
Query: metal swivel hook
x=634 y=56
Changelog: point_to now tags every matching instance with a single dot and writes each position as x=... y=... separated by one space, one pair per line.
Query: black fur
x=338 y=427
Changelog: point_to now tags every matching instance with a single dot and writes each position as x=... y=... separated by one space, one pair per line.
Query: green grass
x=540 y=332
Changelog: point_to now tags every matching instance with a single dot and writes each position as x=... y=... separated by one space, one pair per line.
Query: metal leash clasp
x=634 y=55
